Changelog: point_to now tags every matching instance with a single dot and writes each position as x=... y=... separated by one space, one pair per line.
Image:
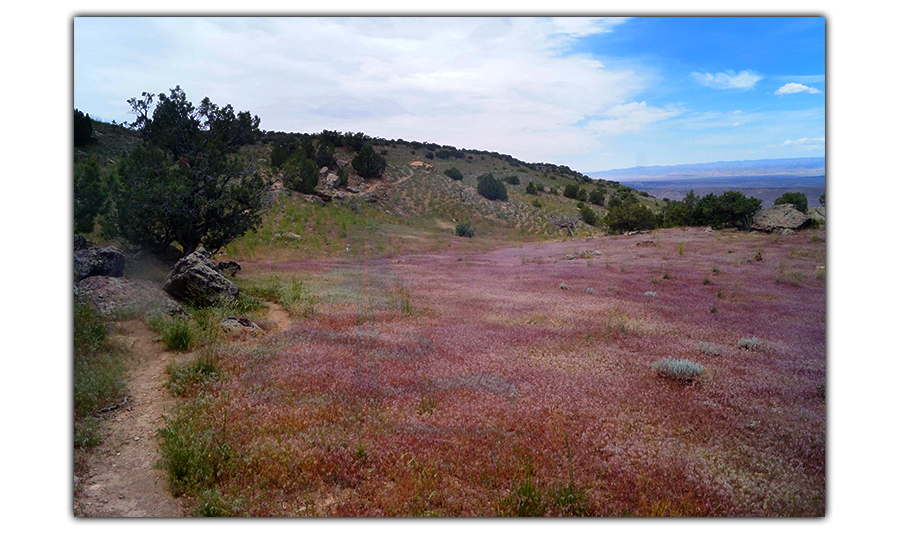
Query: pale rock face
x=782 y=216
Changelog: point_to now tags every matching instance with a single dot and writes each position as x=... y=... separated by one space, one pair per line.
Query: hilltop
x=414 y=205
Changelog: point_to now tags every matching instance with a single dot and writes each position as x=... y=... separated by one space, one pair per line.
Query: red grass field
x=470 y=383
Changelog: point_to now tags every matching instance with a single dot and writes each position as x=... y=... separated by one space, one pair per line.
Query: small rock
x=563 y=286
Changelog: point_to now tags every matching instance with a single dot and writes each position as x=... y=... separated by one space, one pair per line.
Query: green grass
x=184 y=377
x=99 y=374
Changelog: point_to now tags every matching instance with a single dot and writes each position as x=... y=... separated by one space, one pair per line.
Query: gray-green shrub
x=680 y=370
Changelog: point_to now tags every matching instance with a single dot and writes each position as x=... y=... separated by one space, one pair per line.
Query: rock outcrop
x=780 y=217
x=120 y=297
x=817 y=213
x=105 y=261
x=196 y=279
x=80 y=242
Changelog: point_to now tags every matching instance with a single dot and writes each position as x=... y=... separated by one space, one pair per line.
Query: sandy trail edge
x=122 y=481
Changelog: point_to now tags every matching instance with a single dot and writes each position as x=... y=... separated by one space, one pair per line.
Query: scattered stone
x=323 y=170
x=80 y=242
x=195 y=278
x=106 y=261
x=779 y=217
x=648 y=243
x=786 y=231
x=240 y=326
x=590 y=291
x=563 y=286
x=650 y=294
x=582 y=255
x=332 y=181
x=292 y=236
x=758 y=257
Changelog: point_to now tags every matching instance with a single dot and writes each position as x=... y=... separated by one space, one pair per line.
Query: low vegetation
x=430 y=371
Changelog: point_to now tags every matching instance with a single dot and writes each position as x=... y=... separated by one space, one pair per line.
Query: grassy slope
x=416 y=214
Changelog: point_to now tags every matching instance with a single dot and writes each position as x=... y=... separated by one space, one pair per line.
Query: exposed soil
x=122 y=481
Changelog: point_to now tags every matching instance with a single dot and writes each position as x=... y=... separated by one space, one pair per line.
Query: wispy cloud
x=796 y=88
x=728 y=80
x=415 y=78
x=803 y=144
x=629 y=117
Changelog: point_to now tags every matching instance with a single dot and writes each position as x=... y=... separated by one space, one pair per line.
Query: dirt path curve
x=122 y=481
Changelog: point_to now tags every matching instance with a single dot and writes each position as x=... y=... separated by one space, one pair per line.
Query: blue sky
x=593 y=94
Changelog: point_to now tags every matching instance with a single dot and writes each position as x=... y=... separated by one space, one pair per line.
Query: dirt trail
x=122 y=481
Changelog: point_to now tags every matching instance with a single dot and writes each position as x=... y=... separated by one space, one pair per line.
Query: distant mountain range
x=802 y=166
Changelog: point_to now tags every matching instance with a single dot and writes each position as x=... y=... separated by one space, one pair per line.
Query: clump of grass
x=681 y=370
x=183 y=377
x=98 y=374
x=680 y=248
x=464 y=230
x=297 y=300
x=213 y=504
x=750 y=344
x=709 y=348
x=194 y=446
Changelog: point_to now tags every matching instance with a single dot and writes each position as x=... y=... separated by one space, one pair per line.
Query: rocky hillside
x=413 y=203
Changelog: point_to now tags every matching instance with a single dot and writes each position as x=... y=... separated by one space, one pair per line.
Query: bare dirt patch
x=122 y=481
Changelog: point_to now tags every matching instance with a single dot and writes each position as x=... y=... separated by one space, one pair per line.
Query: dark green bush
x=490 y=188
x=280 y=154
x=324 y=155
x=589 y=216
x=91 y=195
x=512 y=180
x=798 y=200
x=597 y=197
x=84 y=128
x=300 y=173
x=571 y=191
x=368 y=163
x=454 y=173
x=627 y=217
x=531 y=189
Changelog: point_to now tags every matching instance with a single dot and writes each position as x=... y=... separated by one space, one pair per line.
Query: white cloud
x=629 y=117
x=795 y=88
x=728 y=80
x=489 y=83
x=804 y=144
x=802 y=141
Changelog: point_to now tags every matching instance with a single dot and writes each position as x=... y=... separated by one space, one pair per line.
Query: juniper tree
x=184 y=182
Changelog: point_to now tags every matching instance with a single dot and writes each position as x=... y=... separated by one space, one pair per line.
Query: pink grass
x=448 y=410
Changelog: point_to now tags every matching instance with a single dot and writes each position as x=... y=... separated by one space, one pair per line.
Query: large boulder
x=817 y=213
x=105 y=261
x=196 y=279
x=123 y=298
x=780 y=217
